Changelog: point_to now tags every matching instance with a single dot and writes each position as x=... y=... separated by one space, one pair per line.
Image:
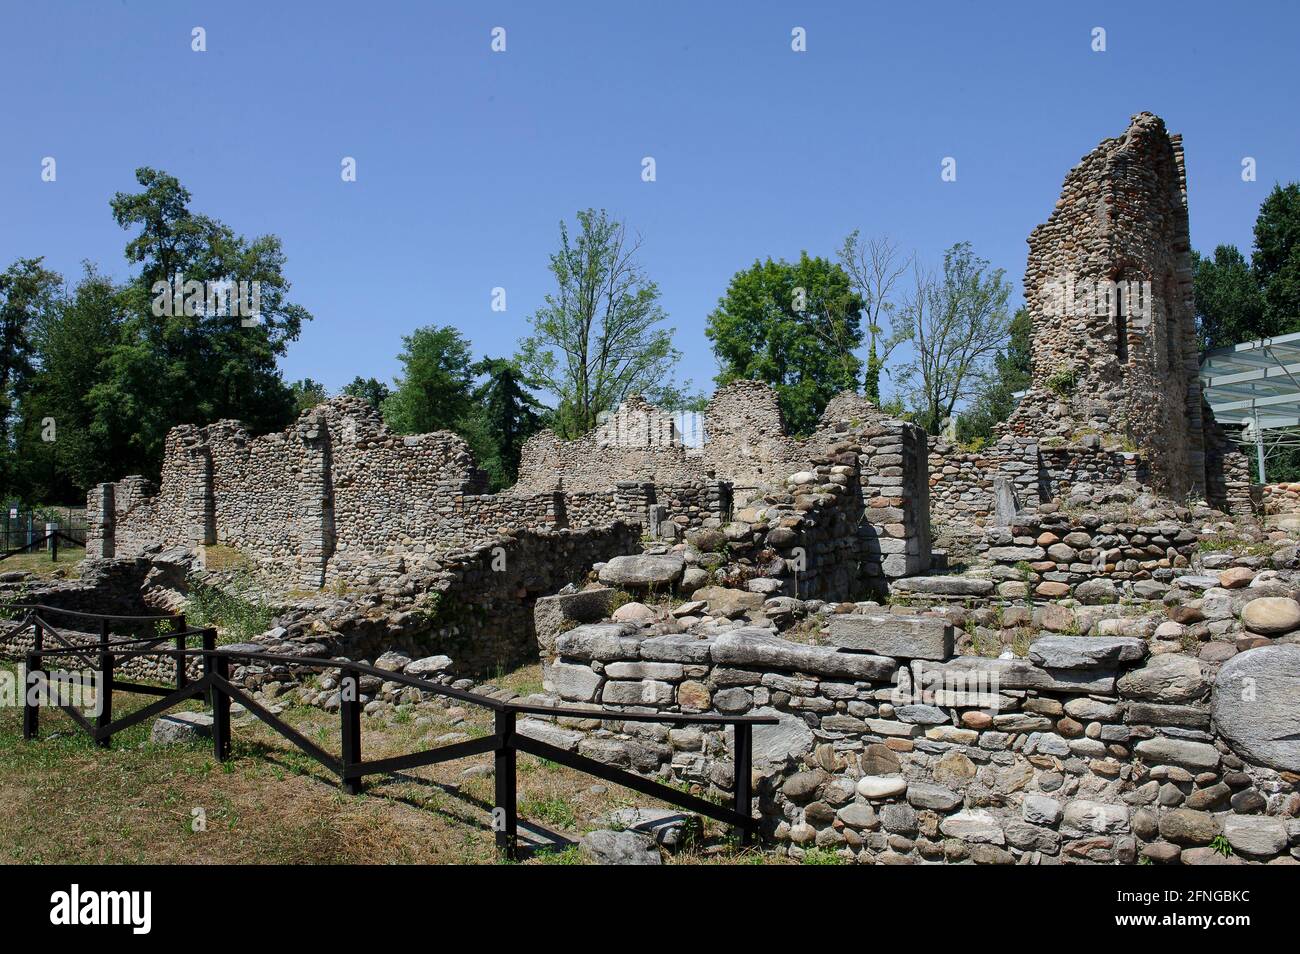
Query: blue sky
x=467 y=159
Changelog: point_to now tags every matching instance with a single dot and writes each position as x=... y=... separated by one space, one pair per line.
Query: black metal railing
x=105 y=655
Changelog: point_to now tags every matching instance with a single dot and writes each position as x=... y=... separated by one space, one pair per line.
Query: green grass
x=39 y=564
x=551 y=810
x=820 y=856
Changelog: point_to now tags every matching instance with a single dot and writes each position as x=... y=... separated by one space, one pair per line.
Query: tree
x=956 y=322
x=795 y=326
x=374 y=392
x=307 y=394
x=504 y=415
x=874 y=267
x=1276 y=257
x=996 y=399
x=433 y=391
x=210 y=363
x=1229 y=306
x=64 y=441
x=598 y=338
x=27 y=294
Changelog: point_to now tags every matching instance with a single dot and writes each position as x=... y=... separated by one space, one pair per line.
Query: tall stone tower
x=1109 y=289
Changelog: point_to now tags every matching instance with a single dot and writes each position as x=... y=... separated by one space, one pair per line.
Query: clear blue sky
x=467 y=159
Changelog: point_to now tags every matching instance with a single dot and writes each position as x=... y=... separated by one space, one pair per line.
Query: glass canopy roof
x=1255 y=383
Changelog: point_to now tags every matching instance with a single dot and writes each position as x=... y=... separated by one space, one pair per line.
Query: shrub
x=240 y=617
x=1062 y=383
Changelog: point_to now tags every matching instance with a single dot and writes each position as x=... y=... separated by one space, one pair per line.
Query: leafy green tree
x=1276 y=257
x=210 y=364
x=371 y=390
x=504 y=415
x=956 y=321
x=65 y=443
x=996 y=398
x=307 y=394
x=599 y=338
x=27 y=294
x=433 y=391
x=1229 y=306
x=795 y=326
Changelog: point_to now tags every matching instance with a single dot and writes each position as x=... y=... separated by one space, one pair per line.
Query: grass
x=820 y=856
x=64 y=801
x=1234 y=545
x=40 y=564
x=219 y=557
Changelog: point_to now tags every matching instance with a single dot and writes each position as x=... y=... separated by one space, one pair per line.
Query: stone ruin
x=339 y=497
x=1074 y=695
x=1115 y=395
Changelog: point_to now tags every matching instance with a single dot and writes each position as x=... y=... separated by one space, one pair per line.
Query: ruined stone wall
x=1053 y=556
x=961 y=482
x=744 y=443
x=636 y=441
x=887 y=749
x=1281 y=499
x=337 y=497
x=1109 y=288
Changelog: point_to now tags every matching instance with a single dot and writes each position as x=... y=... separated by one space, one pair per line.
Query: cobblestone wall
x=961 y=482
x=1087 y=752
x=1115 y=391
x=337 y=497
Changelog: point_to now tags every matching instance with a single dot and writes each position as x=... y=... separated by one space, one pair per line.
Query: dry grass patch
x=62 y=800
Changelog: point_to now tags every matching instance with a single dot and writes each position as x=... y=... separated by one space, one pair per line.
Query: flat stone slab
x=1185 y=753
x=643 y=570
x=985 y=675
x=1256 y=705
x=1255 y=836
x=549 y=732
x=605 y=847
x=1086 y=652
x=905 y=637
x=775 y=745
x=605 y=642
x=943 y=585
x=749 y=647
x=1191 y=582
x=1169 y=678
x=664 y=825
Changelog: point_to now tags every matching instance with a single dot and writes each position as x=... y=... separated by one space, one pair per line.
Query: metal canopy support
x=1259 y=447
x=1255 y=385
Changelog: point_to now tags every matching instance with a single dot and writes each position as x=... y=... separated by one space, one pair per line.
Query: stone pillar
x=101 y=522
x=316 y=538
x=632 y=501
x=198 y=526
